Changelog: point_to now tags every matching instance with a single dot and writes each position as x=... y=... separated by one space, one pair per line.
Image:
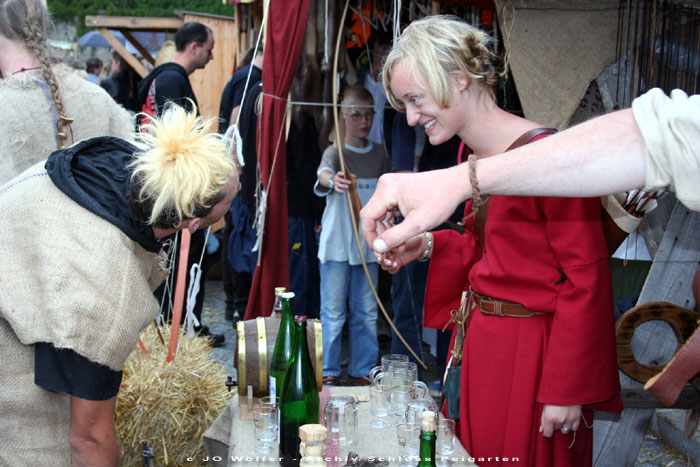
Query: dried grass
x=171 y=412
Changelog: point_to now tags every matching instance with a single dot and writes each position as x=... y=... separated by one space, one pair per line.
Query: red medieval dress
x=548 y=254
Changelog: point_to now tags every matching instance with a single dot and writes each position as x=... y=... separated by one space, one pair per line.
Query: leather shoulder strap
x=480 y=217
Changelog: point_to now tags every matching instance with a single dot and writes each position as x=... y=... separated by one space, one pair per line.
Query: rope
x=397 y=20
x=320 y=104
x=255 y=53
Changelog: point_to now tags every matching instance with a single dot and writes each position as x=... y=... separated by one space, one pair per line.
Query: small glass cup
x=445 y=443
x=340 y=417
x=408 y=435
x=379 y=405
x=270 y=401
x=265 y=422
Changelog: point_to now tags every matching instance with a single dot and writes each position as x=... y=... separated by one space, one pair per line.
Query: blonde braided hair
x=438 y=46
x=28 y=20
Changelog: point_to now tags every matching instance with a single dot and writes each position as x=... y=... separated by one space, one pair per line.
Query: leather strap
x=480 y=217
x=494 y=306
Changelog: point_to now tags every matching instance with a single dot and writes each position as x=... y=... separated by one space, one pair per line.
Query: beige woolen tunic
x=70 y=278
x=27 y=125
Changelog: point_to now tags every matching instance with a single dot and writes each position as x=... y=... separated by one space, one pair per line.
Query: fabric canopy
x=286 y=27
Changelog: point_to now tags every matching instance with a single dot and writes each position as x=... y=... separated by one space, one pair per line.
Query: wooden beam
x=617 y=439
x=133 y=22
x=121 y=50
x=635 y=397
x=142 y=50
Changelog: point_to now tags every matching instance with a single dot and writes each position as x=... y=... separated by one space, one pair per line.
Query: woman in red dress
x=539 y=354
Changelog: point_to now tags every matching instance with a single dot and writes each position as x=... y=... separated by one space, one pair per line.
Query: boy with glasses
x=342 y=276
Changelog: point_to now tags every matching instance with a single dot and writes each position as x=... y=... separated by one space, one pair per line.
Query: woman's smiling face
x=440 y=124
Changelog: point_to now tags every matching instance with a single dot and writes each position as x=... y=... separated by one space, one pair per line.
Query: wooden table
x=230 y=440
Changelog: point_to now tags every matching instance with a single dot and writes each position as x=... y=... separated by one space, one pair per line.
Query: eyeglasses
x=359 y=115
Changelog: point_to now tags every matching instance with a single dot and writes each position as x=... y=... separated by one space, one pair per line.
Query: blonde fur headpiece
x=182 y=167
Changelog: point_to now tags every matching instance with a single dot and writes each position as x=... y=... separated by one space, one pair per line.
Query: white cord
x=326 y=50
x=255 y=53
x=397 y=20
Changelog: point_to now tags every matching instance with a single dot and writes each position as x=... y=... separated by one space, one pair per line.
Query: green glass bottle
x=299 y=399
x=282 y=352
x=427 y=440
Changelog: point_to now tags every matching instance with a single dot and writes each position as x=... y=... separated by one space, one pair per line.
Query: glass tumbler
x=445 y=430
x=408 y=436
x=265 y=422
x=379 y=405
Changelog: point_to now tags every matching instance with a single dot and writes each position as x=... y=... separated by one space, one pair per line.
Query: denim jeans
x=341 y=283
x=407 y=297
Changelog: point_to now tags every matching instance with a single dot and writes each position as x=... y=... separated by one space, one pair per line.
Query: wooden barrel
x=255 y=341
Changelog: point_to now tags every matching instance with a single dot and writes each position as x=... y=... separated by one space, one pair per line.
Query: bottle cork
x=312 y=432
x=313 y=445
x=427 y=421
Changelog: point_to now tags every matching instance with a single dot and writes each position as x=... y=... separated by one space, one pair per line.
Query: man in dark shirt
x=194 y=43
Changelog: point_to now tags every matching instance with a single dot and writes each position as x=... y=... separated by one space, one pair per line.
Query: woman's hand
x=393 y=260
x=563 y=418
x=425 y=199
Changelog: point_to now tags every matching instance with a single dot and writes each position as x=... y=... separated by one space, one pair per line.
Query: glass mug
x=403 y=394
x=416 y=407
x=398 y=374
x=384 y=367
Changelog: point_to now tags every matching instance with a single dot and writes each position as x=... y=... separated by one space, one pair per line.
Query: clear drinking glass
x=379 y=405
x=401 y=395
x=416 y=407
x=445 y=430
x=270 y=401
x=408 y=435
x=387 y=360
x=265 y=422
x=340 y=418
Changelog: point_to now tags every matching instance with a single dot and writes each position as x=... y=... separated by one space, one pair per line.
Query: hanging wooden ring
x=682 y=321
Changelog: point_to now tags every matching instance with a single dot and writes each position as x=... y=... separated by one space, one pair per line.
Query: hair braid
x=34 y=38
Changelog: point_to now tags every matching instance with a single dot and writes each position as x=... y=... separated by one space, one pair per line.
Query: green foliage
x=74 y=11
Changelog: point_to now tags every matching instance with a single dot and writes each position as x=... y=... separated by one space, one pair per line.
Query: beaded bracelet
x=428 y=247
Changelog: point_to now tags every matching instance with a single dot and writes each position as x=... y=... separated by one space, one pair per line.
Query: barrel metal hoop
x=240 y=329
x=262 y=353
x=318 y=343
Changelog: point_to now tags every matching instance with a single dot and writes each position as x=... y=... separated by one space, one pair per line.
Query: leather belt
x=496 y=307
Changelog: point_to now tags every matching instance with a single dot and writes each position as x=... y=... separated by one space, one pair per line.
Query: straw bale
x=170 y=406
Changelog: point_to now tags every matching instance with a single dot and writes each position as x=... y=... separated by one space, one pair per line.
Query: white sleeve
x=670 y=127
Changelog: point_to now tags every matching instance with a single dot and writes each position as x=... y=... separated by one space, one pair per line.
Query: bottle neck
x=427 y=449
x=300 y=346
x=287 y=309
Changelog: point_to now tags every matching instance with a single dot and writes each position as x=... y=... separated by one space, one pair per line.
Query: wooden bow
x=352 y=197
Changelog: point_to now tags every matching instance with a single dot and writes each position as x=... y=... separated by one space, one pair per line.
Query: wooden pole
x=121 y=50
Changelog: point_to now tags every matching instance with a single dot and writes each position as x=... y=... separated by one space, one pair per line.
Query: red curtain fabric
x=286 y=27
